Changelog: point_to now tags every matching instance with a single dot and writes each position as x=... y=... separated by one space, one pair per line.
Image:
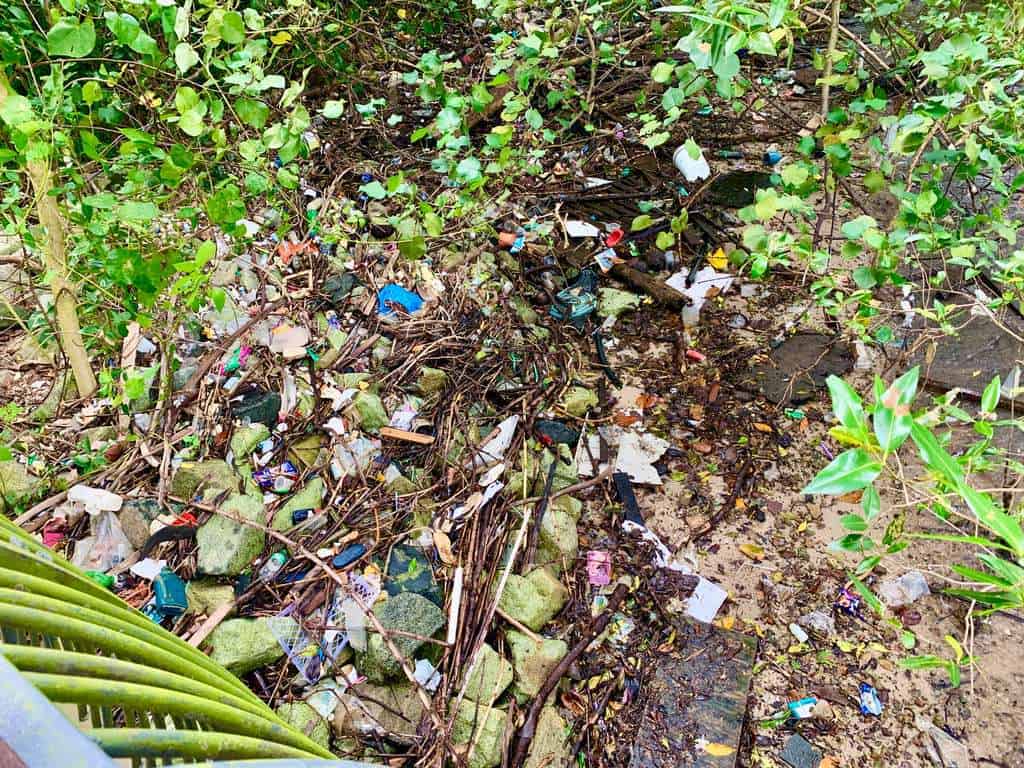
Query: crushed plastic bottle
x=274 y=564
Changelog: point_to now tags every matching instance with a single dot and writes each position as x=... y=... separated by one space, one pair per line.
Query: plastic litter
x=289 y=340
x=95 y=500
x=271 y=567
x=599 y=567
x=426 y=675
x=870 y=704
x=707 y=598
x=280 y=479
x=708 y=280
x=578 y=300
x=849 y=602
x=148 y=568
x=577 y=228
x=348 y=556
x=169 y=597
x=392 y=295
x=798 y=632
x=54 y=532
x=693 y=169
x=493 y=448
x=106 y=546
x=905 y=590
x=802 y=709
x=637 y=454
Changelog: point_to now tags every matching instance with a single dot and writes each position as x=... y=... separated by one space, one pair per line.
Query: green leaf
x=643 y=221
x=253 y=113
x=990 y=397
x=854 y=523
x=874 y=181
x=992 y=517
x=232 y=29
x=102 y=200
x=908 y=639
x=849 y=471
x=413 y=248
x=923 y=662
x=135 y=211
x=761 y=42
x=892 y=417
x=225 y=206
x=795 y=174
x=727 y=67
x=665 y=240
x=662 y=72
x=185 y=57
x=448 y=120
x=92 y=92
x=374 y=190
x=191 y=122
x=126 y=29
x=846 y=404
x=673 y=97
x=851 y=542
x=185 y=98
x=333 y=109
x=871 y=503
x=16 y=110
x=468 y=170
x=71 y=38
x=534 y=119
x=869 y=597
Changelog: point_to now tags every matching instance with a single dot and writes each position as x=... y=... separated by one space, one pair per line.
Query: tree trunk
x=69 y=332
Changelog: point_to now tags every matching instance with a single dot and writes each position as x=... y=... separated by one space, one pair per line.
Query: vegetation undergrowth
x=158 y=130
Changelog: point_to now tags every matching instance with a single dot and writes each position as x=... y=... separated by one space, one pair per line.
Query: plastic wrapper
x=105 y=547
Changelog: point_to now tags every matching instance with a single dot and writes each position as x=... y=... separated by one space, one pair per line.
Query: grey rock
x=310 y=496
x=136 y=516
x=212 y=476
x=818 y=621
x=490 y=723
x=242 y=645
x=550 y=746
x=407 y=612
x=18 y=487
x=490 y=677
x=905 y=590
x=307 y=720
x=393 y=711
x=799 y=753
x=533 y=661
x=245 y=440
x=534 y=599
x=207 y=595
x=227 y=547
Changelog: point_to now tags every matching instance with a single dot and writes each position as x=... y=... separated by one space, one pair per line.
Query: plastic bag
x=106 y=547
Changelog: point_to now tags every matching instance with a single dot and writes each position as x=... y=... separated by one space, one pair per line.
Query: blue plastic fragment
x=870 y=704
x=395 y=295
x=348 y=556
x=772 y=157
